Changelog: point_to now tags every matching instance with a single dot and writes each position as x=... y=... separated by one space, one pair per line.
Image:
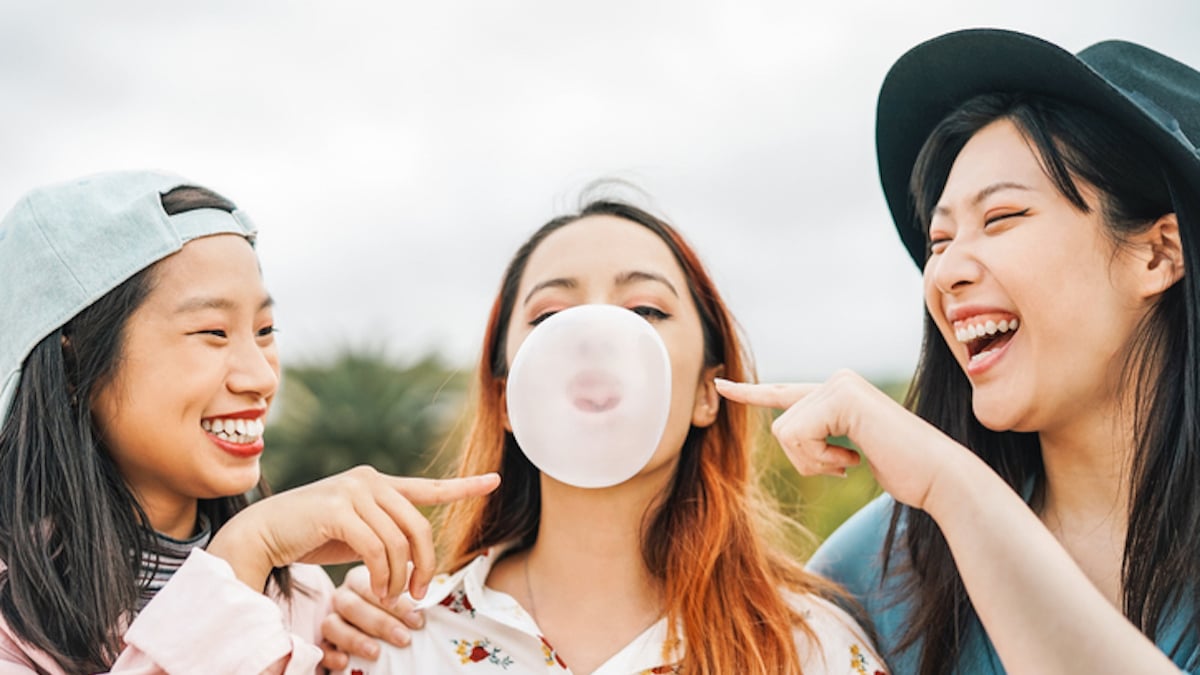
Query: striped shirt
x=163 y=558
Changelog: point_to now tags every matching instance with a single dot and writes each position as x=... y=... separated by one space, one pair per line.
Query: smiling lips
x=238 y=433
x=594 y=391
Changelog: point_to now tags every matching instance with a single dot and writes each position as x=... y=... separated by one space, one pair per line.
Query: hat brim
x=931 y=80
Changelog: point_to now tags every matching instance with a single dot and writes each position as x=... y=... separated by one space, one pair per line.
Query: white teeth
x=235 y=430
x=980 y=355
x=973 y=331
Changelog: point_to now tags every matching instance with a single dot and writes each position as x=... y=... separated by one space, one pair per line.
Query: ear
x=1162 y=263
x=708 y=401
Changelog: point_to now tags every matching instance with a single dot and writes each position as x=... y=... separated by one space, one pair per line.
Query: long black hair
x=71 y=531
x=1162 y=547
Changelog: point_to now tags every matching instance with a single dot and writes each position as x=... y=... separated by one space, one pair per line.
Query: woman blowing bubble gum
x=585 y=561
x=138 y=364
x=1044 y=514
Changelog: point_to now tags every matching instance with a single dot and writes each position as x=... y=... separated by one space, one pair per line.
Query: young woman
x=1045 y=514
x=138 y=364
x=675 y=575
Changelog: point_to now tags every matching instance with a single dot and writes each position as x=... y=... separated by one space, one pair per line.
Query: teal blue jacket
x=851 y=556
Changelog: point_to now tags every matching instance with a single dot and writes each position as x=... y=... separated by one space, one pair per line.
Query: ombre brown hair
x=722 y=581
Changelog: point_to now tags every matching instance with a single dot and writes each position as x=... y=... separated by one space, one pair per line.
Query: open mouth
x=594 y=391
x=985 y=333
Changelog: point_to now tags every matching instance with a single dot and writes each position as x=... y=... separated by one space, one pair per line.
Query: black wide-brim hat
x=1150 y=94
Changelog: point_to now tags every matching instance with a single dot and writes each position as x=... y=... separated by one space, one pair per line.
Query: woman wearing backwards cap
x=1043 y=513
x=137 y=365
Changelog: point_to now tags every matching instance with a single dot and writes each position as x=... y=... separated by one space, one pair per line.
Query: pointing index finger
x=429 y=491
x=766 y=395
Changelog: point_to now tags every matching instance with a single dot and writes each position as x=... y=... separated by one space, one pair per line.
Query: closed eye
x=542 y=317
x=1004 y=216
x=215 y=332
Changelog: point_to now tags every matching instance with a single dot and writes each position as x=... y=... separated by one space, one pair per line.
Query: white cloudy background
x=394 y=154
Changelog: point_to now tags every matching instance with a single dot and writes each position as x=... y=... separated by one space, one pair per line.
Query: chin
x=233 y=486
x=995 y=416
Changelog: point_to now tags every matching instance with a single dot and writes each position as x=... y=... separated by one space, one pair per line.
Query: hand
x=359 y=617
x=906 y=453
x=358 y=514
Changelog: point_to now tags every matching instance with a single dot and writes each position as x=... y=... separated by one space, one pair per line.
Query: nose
x=955 y=267
x=593 y=348
x=254 y=370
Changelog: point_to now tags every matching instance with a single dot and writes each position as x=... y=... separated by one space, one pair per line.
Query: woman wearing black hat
x=1043 y=513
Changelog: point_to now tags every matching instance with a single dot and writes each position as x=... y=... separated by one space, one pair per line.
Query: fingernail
x=721 y=380
x=399 y=637
x=415 y=618
x=370 y=650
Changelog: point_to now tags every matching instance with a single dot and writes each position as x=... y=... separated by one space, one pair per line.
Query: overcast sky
x=395 y=154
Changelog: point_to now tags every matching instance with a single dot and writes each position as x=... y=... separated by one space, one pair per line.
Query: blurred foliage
x=361 y=407
x=817 y=503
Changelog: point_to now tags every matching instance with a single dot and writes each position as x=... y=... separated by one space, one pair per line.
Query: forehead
x=600 y=244
x=997 y=151
x=224 y=260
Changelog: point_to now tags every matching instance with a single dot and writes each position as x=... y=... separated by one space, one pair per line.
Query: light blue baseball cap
x=64 y=246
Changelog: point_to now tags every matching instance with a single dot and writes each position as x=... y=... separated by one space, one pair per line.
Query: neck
x=172 y=517
x=1087 y=469
x=589 y=542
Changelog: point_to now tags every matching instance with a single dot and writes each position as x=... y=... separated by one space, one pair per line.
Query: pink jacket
x=206 y=621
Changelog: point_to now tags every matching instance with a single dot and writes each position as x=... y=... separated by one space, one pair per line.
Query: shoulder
x=841 y=645
x=851 y=555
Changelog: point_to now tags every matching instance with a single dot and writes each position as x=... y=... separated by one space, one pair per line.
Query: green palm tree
x=361 y=408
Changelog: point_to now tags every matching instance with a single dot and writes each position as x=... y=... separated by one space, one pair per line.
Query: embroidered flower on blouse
x=860 y=661
x=479 y=651
x=458 y=603
x=661 y=670
x=550 y=654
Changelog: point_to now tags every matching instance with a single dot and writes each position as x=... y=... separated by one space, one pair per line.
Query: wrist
x=959 y=479
x=245 y=554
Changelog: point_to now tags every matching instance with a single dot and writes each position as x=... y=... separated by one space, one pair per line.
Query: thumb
x=428 y=491
x=765 y=395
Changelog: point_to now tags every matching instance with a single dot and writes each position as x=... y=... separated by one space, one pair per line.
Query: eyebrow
x=985 y=193
x=622 y=279
x=224 y=304
x=551 y=283
x=635 y=276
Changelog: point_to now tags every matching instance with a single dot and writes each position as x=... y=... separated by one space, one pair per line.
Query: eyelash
x=262 y=332
x=650 y=313
x=645 y=311
x=1014 y=214
x=929 y=249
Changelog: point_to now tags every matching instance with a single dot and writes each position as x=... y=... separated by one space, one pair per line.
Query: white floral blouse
x=470 y=628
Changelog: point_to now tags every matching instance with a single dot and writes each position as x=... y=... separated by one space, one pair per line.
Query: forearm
x=1031 y=597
